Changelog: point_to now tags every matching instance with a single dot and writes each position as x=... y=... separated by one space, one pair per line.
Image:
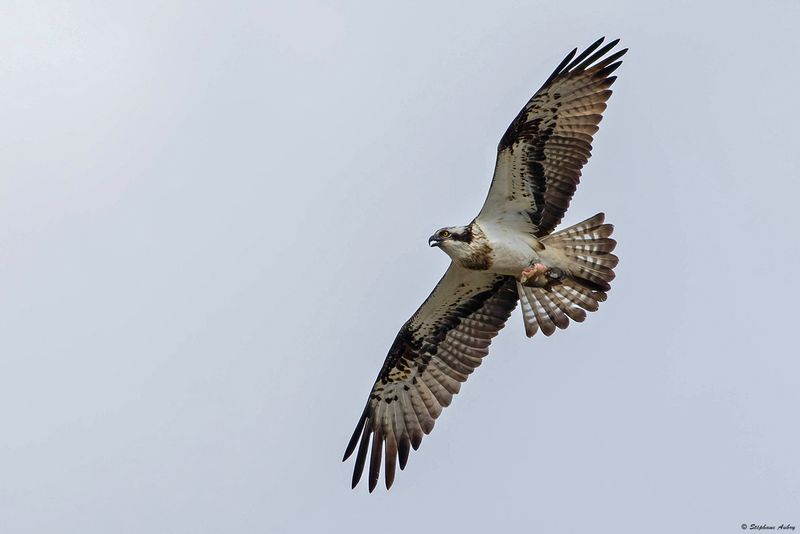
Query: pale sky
x=214 y=219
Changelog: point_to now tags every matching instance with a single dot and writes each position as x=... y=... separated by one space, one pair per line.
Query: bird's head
x=452 y=239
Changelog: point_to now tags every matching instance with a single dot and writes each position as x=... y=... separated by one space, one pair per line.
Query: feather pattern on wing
x=539 y=158
x=434 y=352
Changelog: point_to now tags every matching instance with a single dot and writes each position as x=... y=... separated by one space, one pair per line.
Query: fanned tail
x=588 y=248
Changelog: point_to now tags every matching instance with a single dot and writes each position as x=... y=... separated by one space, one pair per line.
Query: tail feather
x=588 y=247
x=588 y=250
x=568 y=306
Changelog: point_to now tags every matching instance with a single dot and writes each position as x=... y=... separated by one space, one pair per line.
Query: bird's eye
x=444 y=233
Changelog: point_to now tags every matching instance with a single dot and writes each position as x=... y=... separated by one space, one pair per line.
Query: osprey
x=509 y=252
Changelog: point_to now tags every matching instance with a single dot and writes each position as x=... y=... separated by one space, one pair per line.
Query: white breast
x=512 y=249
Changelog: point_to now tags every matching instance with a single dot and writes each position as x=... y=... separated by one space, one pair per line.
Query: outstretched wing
x=433 y=354
x=539 y=159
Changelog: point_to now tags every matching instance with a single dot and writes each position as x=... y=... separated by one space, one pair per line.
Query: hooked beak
x=434 y=241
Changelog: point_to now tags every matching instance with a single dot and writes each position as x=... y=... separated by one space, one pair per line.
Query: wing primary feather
x=585 y=53
x=361 y=457
x=391 y=459
x=416 y=437
x=391 y=445
x=403 y=449
x=413 y=425
x=605 y=71
x=611 y=59
x=560 y=67
x=597 y=55
x=375 y=459
x=351 y=446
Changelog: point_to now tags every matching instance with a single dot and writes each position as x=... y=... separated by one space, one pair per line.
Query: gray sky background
x=213 y=221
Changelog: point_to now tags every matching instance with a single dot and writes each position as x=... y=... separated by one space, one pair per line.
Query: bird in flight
x=508 y=252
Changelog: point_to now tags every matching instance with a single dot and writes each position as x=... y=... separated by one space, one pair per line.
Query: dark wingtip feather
x=597 y=55
x=390 y=459
x=560 y=67
x=592 y=47
x=351 y=446
x=611 y=59
x=416 y=440
x=605 y=71
x=404 y=447
x=389 y=474
x=375 y=459
x=361 y=457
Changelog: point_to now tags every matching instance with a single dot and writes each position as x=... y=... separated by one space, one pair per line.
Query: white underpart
x=513 y=249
